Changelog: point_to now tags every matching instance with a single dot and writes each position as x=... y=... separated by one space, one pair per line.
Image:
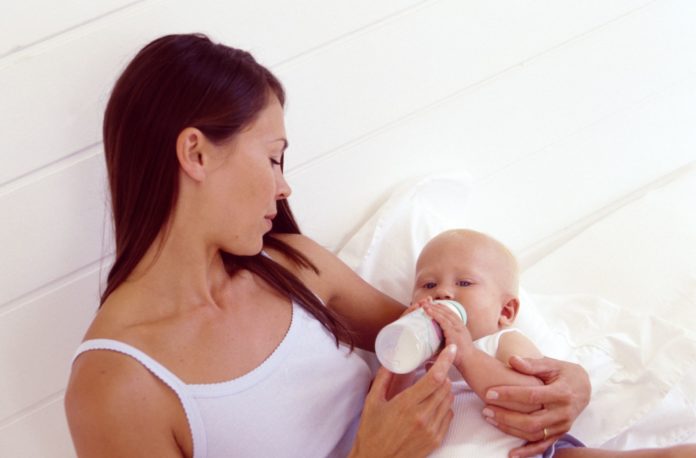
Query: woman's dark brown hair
x=180 y=81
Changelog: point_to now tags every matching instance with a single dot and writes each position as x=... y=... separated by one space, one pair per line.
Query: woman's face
x=247 y=182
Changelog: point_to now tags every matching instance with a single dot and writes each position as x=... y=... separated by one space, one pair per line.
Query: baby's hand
x=421 y=303
x=453 y=328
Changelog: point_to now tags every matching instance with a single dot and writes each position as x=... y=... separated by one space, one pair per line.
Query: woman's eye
x=429 y=285
x=275 y=162
x=464 y=283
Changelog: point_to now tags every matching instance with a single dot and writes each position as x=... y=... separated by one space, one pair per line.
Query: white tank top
x=304 y=400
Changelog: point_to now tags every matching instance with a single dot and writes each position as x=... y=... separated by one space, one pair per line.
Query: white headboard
x=556 y=108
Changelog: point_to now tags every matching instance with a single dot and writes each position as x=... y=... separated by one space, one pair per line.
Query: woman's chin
x=251 y=248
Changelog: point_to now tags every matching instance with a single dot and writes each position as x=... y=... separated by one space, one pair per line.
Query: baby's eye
x=275 y=162
x=464 y=283
x=430 y=285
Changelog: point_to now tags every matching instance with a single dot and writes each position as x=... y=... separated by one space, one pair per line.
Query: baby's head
x=475 y=270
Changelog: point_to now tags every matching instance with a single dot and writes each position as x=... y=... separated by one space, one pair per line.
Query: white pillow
x=384 y=250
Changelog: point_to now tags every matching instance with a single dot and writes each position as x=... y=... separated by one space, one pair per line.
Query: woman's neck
x=179 y=270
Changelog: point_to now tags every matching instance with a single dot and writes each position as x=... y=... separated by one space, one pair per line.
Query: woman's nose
x=283 y=189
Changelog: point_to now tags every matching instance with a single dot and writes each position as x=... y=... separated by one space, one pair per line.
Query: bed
x=615 y=292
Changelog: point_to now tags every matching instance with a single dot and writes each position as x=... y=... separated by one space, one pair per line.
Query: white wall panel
x=30 y=21
x=589 y=170
x=38 y=339
x=377 y=77
x=60 y=112
x=520 y=203
x=40 y=434
x=520 y=112
x=53 y=227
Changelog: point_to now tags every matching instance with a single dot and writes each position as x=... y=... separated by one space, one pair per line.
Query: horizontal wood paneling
x=519 y=198
x=60 y=112
x=657 y=232
x=53 y=227
x=41 y=434
x=375 y=78
x=30 y=21
x=38 y=340
x=520 y=112
x=570 y=179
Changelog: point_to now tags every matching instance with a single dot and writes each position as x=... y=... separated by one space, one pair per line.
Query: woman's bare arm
x=364 y=309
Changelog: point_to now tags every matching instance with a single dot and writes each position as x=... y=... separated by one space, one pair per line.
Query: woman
x=224 y=332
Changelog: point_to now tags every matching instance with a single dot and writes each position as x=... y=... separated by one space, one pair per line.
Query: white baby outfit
x=469 y=434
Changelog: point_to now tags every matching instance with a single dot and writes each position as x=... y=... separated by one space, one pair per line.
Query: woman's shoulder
x=109 y=391
x=327 y=263
x=300 y=242
x=319 y=256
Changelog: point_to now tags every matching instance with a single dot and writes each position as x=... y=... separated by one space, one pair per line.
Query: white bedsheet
x=619 y=297
x=639 y=264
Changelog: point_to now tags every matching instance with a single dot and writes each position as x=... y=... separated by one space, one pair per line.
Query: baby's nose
x=443 y=293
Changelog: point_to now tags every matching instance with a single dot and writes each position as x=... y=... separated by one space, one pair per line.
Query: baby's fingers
x=443 y=315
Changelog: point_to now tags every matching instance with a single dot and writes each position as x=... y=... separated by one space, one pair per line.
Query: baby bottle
x=408 y=342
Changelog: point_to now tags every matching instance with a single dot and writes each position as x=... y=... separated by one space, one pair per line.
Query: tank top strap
x=166 y=376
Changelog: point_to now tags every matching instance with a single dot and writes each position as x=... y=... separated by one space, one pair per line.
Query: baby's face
x=469 y=270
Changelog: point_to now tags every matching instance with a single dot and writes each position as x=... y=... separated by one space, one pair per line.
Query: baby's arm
x=480 y=370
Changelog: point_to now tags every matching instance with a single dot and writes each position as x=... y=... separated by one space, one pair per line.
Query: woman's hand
x=411 y=424
x=565 y=394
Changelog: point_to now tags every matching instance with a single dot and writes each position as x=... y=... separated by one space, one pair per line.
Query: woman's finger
x=558 y=393
x=380 y=385
x=544 y=368
x=435 y=404
x=439 y=406
x=532 y=448
x=528 y=426
x=445 y=418
x=534 y=435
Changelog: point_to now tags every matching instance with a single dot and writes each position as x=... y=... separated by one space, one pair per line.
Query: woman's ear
x=509 y=312
x=190 y=151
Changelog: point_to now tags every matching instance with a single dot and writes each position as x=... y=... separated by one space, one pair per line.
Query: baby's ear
x=509 y=312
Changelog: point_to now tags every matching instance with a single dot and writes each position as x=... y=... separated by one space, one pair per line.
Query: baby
x=482 y=274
